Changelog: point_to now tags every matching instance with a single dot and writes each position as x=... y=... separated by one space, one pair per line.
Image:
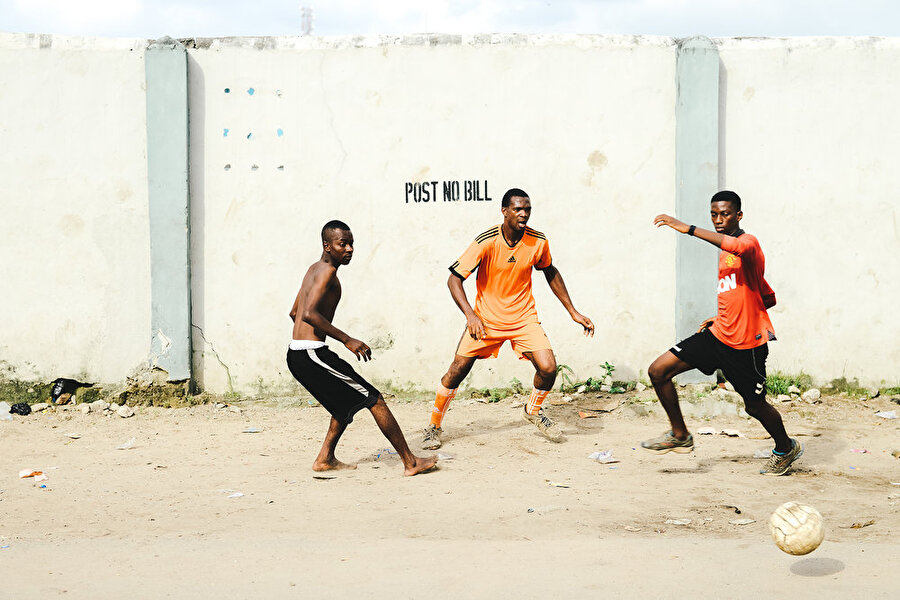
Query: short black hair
x=509 y=195
x=331 y=226
x=727 y=196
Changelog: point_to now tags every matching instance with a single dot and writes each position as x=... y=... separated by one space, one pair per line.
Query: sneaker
x=780 y=463
x=548 y=428
x=669 y=443
x=432 y=438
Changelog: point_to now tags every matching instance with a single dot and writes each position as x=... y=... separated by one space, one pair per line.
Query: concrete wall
x=74 y=246
x=313 y=129
x=809 y=138
x=585 y=125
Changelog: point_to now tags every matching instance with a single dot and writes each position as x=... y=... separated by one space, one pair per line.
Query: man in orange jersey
x=735 y=340
x=504 y=310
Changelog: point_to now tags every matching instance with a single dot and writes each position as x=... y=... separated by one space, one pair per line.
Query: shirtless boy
x=331 y=380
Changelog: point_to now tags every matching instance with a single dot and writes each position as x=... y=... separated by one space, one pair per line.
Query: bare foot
x=331 y=465
x=421 y=465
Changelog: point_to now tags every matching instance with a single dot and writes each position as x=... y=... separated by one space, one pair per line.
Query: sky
x=677 y=18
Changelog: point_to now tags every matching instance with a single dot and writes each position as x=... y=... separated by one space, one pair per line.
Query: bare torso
x=326 y=305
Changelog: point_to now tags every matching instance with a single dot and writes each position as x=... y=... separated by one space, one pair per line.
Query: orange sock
x=535 y=401
x=441 y=404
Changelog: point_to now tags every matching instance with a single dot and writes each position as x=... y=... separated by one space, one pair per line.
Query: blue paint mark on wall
x=225 y=134
x=227 y=90
x=251 y=91
x=250 y=136
x=279 y=131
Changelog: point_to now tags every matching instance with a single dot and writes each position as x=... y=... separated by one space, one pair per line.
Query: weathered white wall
x=74 y=246
x=809 y=136
x=585 y=125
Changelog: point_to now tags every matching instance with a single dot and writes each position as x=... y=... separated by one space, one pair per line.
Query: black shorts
x=745 y=369
x=332 y=381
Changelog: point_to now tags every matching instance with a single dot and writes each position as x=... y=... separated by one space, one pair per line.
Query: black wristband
x=691 y=229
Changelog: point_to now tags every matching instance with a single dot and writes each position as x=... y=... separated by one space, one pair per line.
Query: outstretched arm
x=558 y=286
x=473 y=322
x=315 y=318
x=712 y=237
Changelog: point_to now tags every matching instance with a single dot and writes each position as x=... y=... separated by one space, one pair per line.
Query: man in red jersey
x=735 y=340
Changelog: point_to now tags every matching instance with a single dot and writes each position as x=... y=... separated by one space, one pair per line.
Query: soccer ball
x=796 y=528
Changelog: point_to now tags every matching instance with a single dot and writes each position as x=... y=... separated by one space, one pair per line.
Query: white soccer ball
x=796 y=528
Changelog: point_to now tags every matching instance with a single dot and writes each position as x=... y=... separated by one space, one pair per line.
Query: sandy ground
x=158 y=520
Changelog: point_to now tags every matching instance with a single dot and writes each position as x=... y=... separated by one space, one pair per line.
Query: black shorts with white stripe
x=745 y=369
x=332 y=381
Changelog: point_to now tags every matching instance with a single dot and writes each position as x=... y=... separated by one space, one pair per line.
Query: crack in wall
x=331 y=117
x=216 y=354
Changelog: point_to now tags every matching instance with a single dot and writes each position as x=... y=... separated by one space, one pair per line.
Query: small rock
x=639 y=387
x=84 y=408
x=608 y=380
x=125 y=411
x=742 y=521
x=98 y=405
x=678 y=521
x=729 y=387
x=783 y=398
x=235 y=409
x=221 y=405
x=605 y=388
x=794 y=390
x=811 y=395
x=39 y=407
x=581 y=389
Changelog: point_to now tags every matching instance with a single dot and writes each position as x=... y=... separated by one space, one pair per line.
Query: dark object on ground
x=20 y=408
x=63 y=389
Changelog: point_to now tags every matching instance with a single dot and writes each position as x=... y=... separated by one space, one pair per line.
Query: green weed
x=779 y=383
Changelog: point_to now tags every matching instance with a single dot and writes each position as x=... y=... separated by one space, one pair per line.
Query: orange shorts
x=527 y=338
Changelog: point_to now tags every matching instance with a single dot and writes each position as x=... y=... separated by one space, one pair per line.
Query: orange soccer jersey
x=742 y=321
x=504 y=300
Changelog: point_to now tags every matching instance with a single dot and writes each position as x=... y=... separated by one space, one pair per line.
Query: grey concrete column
x=168 y=178
x=697 y=179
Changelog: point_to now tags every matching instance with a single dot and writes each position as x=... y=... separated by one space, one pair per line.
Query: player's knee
x=657 y=373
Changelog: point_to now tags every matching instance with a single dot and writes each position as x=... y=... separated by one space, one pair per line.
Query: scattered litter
x=384 y=452
x=127 y=445
x=4 y=547
x=236 y=495
x=20 y=408
x=43 y=486
x=860 y=524
x=742 y=521
x=41 y=477
x=860 y=450
x=324 y=477
x=737 y=511
x=29 y=473
x=312 y=403
x=588 y=415
x=896 y=453
x=555 y=484
x=732 y=433
x=604 y=457
x=251 y=430
x=531 y=510
x=762 y=454
x=73 y=436
x=678 y=521
x=632 y=528
x=895 y=483
x=64 y=389
x=887 y=414
x=442 y=456
x=707 y=431
x=852 y=468
x=4 y=412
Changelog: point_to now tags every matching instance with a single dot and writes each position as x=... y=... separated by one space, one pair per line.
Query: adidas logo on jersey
x=511 y=259
x=727 y=283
